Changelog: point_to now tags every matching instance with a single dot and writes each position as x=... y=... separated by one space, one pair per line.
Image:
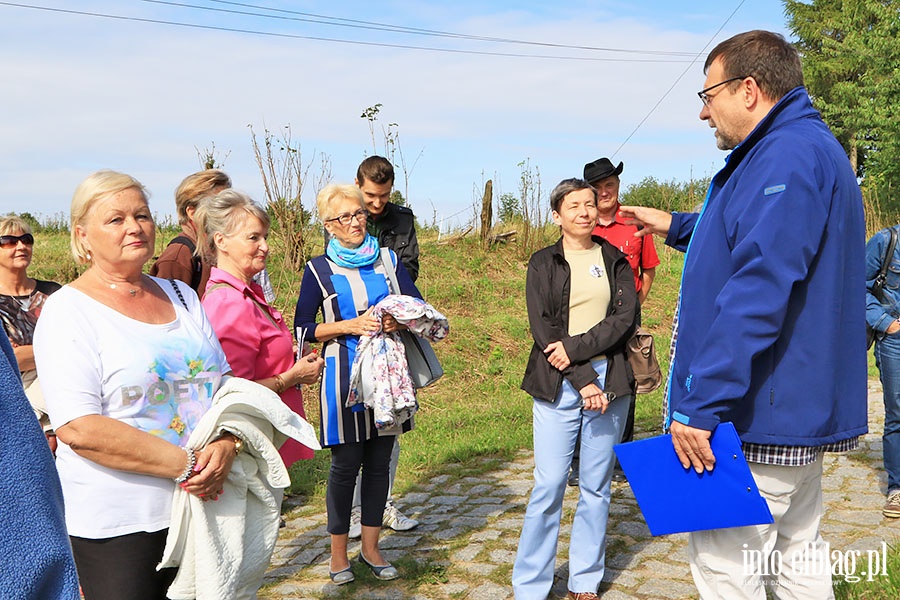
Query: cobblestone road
x=466 y=543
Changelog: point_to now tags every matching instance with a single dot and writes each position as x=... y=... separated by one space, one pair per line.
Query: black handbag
x=424 y=367
x=877 y=289
x=423 y=363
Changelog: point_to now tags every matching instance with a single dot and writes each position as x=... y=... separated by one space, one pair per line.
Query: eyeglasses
x=705 y=98
x=361 y=215
x=8 y=241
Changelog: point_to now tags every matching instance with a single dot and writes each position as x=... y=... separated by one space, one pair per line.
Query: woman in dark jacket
x=582 y=308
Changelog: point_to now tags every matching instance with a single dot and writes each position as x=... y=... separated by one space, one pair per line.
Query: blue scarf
x=353 y=258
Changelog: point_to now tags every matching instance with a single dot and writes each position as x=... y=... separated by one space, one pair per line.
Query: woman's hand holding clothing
x=364 y=324
x=117 y=445
x=390 y=325
x=213 y=465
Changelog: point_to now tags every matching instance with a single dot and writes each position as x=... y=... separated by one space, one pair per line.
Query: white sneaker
x=396 y=520
x=355 y=523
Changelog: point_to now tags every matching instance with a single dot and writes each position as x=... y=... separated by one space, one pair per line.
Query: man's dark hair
x=763 y=55
x=566 y=187
x=376 y=169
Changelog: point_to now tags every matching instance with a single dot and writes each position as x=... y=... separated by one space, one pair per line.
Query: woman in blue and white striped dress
x=344 y=284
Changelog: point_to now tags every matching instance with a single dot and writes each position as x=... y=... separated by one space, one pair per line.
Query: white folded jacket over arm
x=222 y=549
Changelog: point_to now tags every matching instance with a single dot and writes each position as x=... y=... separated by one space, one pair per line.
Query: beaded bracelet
x=189 y=469
x=279 y=384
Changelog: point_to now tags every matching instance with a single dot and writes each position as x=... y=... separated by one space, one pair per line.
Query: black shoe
x=619 y=475
x=573 y=475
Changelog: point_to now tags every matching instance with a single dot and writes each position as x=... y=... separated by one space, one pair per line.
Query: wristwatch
x=238 y=442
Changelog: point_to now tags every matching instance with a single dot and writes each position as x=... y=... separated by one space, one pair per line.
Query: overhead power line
x=361 y=24
x=677 y=79
x=333 y=40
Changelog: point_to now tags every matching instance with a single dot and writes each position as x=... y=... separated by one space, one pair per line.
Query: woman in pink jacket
x=232 y=231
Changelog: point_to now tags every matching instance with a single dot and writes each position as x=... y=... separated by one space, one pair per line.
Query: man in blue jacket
x=770 y=325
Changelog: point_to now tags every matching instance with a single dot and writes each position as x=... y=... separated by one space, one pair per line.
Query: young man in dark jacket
x=770 y=333
x=393 y=226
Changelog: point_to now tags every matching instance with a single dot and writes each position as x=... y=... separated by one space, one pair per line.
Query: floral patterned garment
x=19 y=314
x=380 y=377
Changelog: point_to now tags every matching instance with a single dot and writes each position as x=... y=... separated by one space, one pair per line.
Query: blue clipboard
x=674 y=499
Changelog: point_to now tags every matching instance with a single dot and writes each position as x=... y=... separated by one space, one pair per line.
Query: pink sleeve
x=234 y=322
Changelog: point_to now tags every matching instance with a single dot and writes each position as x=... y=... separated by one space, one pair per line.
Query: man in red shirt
x=641 y=254
x=640 y=251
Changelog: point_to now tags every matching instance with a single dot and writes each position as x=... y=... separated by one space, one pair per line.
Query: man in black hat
x=640 y=251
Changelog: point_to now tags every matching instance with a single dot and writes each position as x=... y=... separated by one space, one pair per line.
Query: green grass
x=877 y=587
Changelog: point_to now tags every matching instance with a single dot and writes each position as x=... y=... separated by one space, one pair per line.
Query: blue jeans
x=556 y=426
x=887 y=358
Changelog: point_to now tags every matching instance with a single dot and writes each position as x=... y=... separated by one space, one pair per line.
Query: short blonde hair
x=13 y=223
x=332 y=192
x=197 y=186
x=96 y=186
x=221 y=214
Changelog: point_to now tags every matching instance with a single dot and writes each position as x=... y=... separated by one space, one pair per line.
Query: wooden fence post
x=487 y=204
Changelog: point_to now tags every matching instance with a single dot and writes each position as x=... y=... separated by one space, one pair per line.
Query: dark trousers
x=123 y=567
x=628 y=434
x=374 y=456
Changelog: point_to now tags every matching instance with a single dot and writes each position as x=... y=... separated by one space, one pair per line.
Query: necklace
x=132 y=291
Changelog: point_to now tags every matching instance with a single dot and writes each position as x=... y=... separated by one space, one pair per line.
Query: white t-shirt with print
x=93 y=360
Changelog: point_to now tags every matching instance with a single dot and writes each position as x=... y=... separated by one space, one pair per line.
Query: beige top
x=589 y=294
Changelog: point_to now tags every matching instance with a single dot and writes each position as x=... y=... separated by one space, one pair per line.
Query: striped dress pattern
x=345 y=294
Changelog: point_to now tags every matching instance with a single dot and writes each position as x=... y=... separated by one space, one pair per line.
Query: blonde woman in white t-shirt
x=128 y=365
x=582 y=309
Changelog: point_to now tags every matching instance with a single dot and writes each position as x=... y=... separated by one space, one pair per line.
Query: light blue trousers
x=555 y=433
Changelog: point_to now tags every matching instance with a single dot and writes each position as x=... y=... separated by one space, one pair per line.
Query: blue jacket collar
x=792 y=106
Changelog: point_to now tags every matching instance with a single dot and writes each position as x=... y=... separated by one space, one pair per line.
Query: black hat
x=601 y=169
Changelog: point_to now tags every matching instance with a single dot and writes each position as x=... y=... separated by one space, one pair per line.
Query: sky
x=146 y=94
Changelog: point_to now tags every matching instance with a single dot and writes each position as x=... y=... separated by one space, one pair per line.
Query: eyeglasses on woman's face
x=9 y=241
x=345 y=218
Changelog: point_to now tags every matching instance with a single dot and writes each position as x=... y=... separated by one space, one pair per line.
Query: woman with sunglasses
x=345 y=284
x=582 y=308
x=21 y=300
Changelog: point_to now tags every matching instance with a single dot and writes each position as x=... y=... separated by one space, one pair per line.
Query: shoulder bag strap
x=180 y=297
x=389 y=267
x=878 y=286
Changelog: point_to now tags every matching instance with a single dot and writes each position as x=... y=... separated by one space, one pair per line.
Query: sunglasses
x=8 y=241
